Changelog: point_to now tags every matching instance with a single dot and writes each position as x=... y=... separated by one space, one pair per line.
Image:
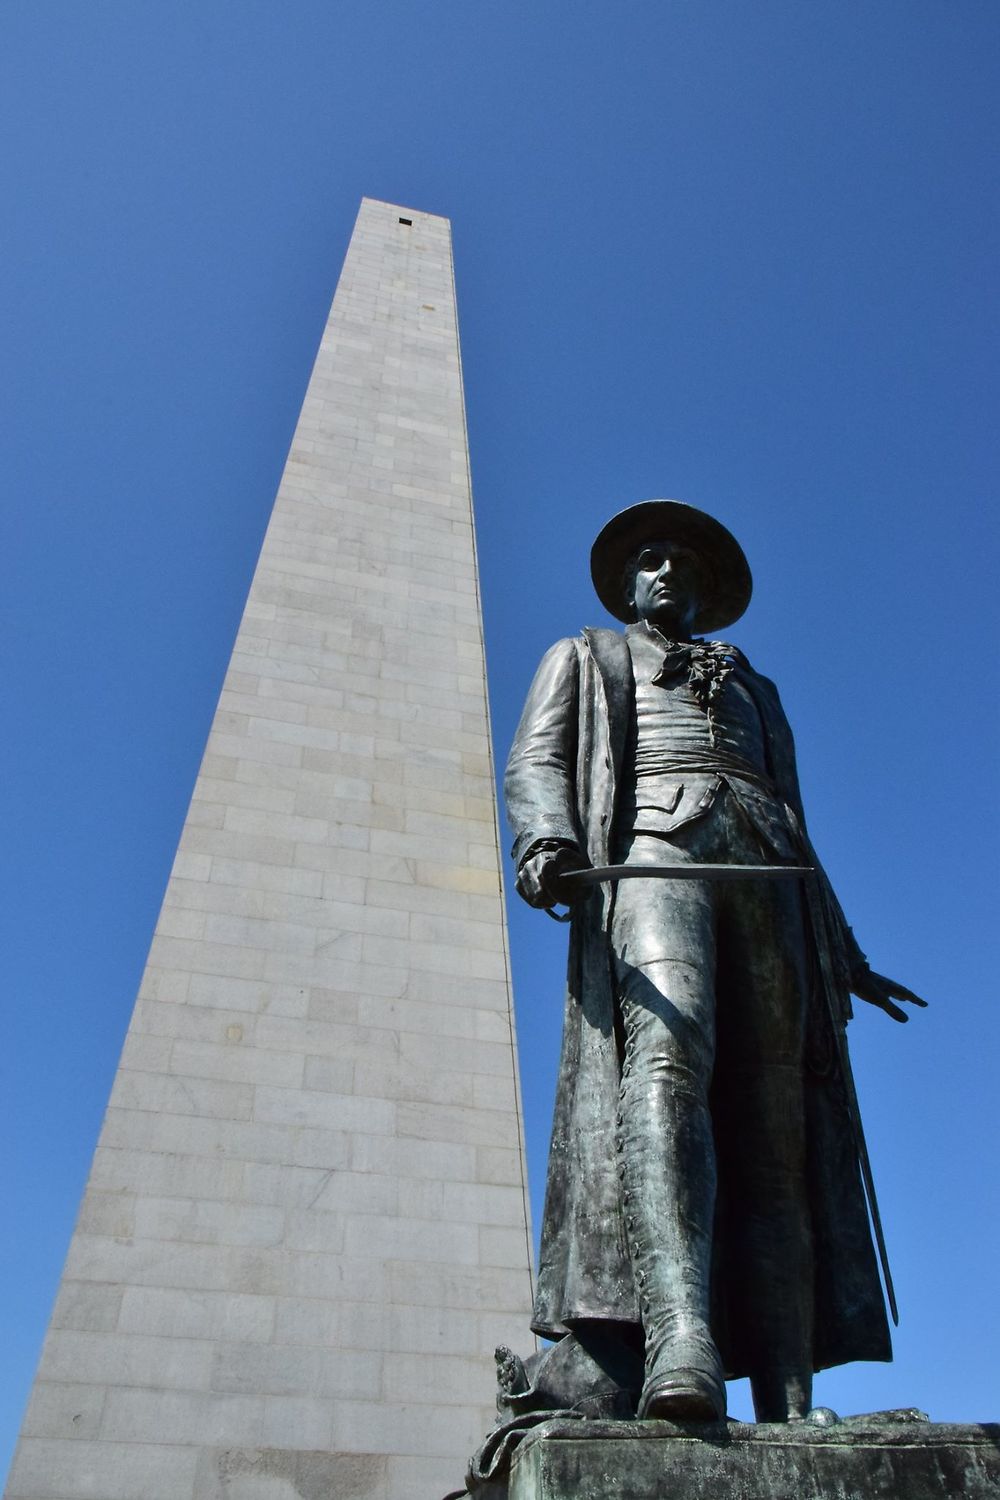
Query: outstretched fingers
x=899 y=991
x=880 y=991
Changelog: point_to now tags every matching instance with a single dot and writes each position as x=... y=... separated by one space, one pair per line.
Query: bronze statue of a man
x=704 y=1199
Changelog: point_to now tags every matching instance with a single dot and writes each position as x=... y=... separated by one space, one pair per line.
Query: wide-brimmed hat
x=728 y=583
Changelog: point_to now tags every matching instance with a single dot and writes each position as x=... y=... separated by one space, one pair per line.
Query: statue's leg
x=760 y=1112
x=664 y=948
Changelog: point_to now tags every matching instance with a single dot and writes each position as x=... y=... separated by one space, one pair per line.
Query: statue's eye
x=648 y=561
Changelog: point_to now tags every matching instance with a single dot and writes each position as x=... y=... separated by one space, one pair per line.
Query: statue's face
x=666 y=586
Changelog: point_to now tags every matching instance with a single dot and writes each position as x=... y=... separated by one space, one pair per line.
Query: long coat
x=561 y=785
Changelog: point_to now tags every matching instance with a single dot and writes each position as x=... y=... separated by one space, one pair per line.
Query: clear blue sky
x=740 y=254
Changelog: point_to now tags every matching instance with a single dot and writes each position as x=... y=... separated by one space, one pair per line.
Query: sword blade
x=601 y=873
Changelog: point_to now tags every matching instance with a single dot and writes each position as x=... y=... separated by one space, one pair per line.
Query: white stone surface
x=306 y=1223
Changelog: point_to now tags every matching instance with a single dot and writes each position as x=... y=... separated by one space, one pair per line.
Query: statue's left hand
x=880 y=991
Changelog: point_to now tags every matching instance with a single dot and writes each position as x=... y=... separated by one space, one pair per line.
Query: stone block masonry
x=306 y=1223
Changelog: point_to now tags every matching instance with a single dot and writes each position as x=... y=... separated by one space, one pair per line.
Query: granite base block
x=855 y=1460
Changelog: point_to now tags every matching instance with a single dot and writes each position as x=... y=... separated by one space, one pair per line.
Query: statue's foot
x=684 y=1395
x=684 y=1379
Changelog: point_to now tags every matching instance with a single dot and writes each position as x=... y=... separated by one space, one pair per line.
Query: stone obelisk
x=306 y=1223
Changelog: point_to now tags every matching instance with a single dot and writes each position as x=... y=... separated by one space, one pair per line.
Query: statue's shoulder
x=765 y=694
x=608 y=647
x=754 y=679
x=564 y=651
x=594 y=640
x=603 y=638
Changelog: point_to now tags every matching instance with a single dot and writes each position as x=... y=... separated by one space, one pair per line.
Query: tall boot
x=668 y=1179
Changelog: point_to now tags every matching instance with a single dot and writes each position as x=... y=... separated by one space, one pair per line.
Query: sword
x=602 y=873
x=598 y=874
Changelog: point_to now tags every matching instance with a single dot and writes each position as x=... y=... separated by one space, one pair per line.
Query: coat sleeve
x=847 y=953
x=540 y=781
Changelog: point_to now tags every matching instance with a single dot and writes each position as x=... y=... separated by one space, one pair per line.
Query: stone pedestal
x=859 y=1459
